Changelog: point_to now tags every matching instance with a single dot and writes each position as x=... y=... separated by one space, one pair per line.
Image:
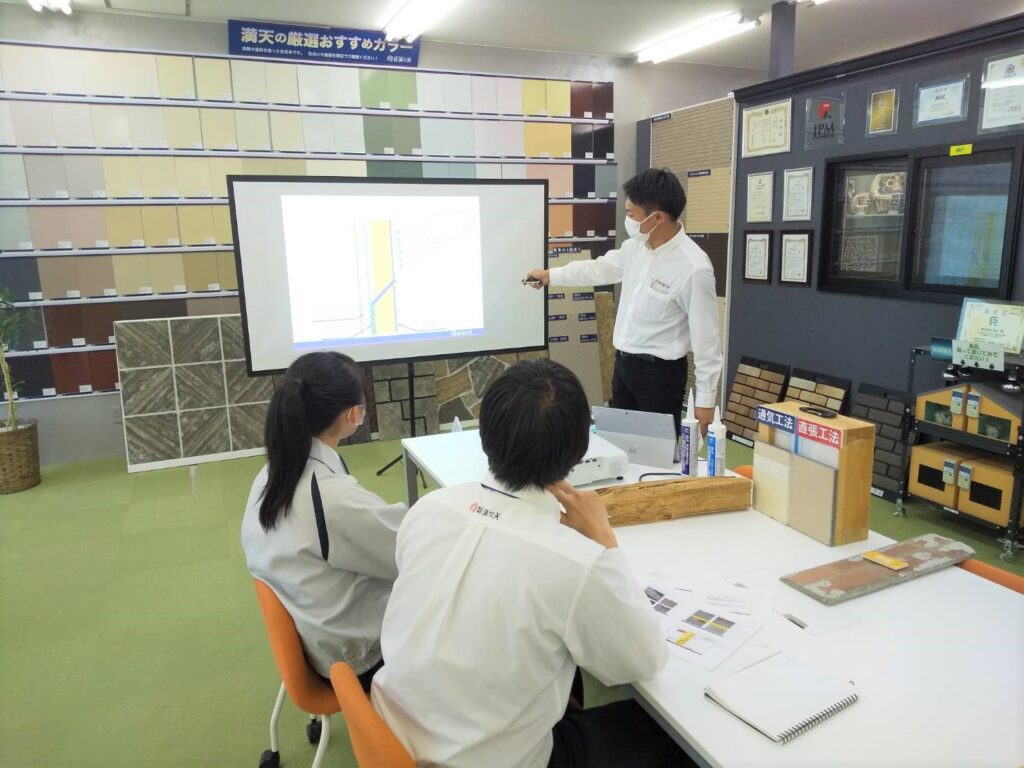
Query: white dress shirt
x=334 y=579
x=495 y=605
x=667 y=306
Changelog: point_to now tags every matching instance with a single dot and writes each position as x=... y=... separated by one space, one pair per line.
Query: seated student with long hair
x=323 y=543
x=500 y=596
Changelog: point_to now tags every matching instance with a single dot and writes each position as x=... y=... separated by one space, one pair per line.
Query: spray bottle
x=716 y=446
x=689 y=441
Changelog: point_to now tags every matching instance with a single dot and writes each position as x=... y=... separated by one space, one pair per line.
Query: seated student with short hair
x=323 y=543
x=500 y=596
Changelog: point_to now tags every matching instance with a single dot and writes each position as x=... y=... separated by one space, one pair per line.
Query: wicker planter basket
x=19 y=457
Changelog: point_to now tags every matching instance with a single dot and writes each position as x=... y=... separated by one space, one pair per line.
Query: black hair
x=534 y=424
x=656 y=189
x=311 y=395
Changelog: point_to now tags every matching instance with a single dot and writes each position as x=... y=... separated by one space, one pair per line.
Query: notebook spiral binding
x=791 y=733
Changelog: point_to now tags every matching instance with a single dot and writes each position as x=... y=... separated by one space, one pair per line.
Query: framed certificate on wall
x=1002 y=93
x=883 y=109
x=795 y=257
x=760 y=189
x=797 y=194
x=757 y=257
x=766 y=128
x=943 y=101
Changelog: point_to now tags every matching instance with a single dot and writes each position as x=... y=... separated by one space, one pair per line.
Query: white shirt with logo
x=667 y=307
x=495 y=605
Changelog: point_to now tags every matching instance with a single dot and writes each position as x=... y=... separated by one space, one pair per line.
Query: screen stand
x=412 y=424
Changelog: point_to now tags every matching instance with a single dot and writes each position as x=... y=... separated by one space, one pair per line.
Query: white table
x=938 y=662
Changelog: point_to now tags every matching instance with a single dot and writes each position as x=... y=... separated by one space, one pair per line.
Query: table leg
x=411 y=489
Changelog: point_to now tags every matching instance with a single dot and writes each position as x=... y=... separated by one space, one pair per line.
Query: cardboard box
x=989 y=489
x=946 y=407
x=934 y=469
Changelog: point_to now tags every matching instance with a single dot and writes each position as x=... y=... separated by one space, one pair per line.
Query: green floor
x=129 y=632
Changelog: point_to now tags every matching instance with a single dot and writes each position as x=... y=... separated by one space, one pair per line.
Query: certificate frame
x=756 y=136
x=795 y=266
x=989 y=120
x=761 y=215
x=758 y=270
x=925 y=93
x=887 y=99
x=792 y=204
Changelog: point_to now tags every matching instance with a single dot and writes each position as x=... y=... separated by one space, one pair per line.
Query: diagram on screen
x=383 y=268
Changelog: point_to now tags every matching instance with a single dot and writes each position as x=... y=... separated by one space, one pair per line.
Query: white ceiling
x=842 y=29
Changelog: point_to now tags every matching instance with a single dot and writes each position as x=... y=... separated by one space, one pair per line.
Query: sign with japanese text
x=819 y=433
x=341 y=46
x=776 y=420
x=978 y=354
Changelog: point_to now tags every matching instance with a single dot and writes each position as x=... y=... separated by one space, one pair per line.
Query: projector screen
x=387 y=270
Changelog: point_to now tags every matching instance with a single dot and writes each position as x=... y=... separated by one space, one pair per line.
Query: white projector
x=601 y=462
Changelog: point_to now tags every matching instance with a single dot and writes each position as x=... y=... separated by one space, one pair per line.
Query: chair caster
x=270 y=759
x=313 y=729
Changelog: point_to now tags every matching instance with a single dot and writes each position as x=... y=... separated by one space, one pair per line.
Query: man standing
x=667 y=305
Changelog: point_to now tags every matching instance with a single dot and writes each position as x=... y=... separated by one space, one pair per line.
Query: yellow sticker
x=893 y=563
x=956 y=150
x=684 y=638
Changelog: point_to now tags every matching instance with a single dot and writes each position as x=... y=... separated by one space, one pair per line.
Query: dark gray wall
x=862 y=338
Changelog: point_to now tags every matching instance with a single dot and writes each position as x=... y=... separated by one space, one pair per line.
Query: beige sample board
x=572 y=329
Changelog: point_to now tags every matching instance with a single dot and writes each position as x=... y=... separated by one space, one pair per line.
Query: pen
x=530 y=281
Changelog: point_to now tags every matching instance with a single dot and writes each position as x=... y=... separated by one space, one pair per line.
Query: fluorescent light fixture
x=695 y=36
x=415 y=16
x=52 y=5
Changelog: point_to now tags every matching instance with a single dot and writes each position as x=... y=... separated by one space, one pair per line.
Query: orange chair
x=747 y=471
x=374 y=744
x=990 y=572
x=305 y=687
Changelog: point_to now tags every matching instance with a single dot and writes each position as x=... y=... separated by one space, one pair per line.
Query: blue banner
x=342 y=46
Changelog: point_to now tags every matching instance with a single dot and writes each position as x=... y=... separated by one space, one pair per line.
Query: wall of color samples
x=185 y=392
x=89 y=237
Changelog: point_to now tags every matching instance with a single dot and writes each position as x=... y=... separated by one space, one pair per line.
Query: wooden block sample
x=933 y=471
x=989 y=489
x=992 y=413
x=854 y=576
x=663 y=500
x=946 y=407
x=812 y=499
x=842 y=442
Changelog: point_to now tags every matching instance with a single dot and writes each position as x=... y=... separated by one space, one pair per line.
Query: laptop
x=647 y=438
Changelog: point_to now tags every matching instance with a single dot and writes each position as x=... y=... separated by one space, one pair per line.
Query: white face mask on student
x=633 y=229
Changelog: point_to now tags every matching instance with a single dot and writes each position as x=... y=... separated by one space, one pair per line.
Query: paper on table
x=810 y=615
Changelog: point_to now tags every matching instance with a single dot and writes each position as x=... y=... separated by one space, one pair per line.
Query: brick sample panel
x=818 y=389
x=756 y=382
x=885 y=409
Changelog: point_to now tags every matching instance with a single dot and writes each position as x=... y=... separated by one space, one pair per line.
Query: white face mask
x=633 y=229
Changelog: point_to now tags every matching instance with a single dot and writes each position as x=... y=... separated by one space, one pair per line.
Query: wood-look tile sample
x=213 y=79
x=151 y=438
x=111 y=125
x=85 y=176
x=160 y=226
x=143 y=344
x=124 y=226
x=158 y=175
x=232 y=343
x=51 y=228
x=148 y=127
x=205 y=432
x=184 y=129
x=46 y=177
x=199 y=385
x=139 y=75
x=252 y=126
x=282 y=84
x=247 y=425
x=243 y=388
x=72 y=125
x=195 y=340
x=218 y=127
x=121 y=176
x=175 y=78
x=146 y=390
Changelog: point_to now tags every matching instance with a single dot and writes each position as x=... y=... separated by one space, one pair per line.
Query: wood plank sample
x=662 y=500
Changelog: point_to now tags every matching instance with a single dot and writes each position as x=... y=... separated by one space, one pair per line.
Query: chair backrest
x=992 y=573
x=306 y=688
x=374 y=744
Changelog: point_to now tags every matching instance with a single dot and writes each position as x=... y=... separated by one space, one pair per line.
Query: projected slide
x=378 y=269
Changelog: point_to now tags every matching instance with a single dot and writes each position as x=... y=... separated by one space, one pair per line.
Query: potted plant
x=19 y=441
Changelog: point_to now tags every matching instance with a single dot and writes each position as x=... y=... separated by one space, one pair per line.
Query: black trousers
x=619 y=735
x=646 y=383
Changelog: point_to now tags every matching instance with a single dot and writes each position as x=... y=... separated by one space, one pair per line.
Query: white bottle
x=456 y=425
x=689 y=441
x=716 y=446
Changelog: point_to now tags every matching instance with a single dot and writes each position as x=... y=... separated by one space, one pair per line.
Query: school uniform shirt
x=667 y=305
x=495 y=605
x=331 y=560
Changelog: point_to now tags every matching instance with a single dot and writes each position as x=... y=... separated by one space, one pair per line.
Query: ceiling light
x=695 y=36
x=415 y=16
x=53 y=5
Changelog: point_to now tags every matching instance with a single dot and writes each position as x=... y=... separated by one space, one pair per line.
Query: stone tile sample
x=818 y=389
x=152 y=438
x=143 y=343
x=204 y=432
x=756 y=382
x=883 y=407
x=200 y=385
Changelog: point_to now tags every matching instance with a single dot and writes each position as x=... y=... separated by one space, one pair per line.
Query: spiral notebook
x=782 y=697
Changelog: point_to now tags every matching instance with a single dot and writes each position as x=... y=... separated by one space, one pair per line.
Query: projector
x=602 y=461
